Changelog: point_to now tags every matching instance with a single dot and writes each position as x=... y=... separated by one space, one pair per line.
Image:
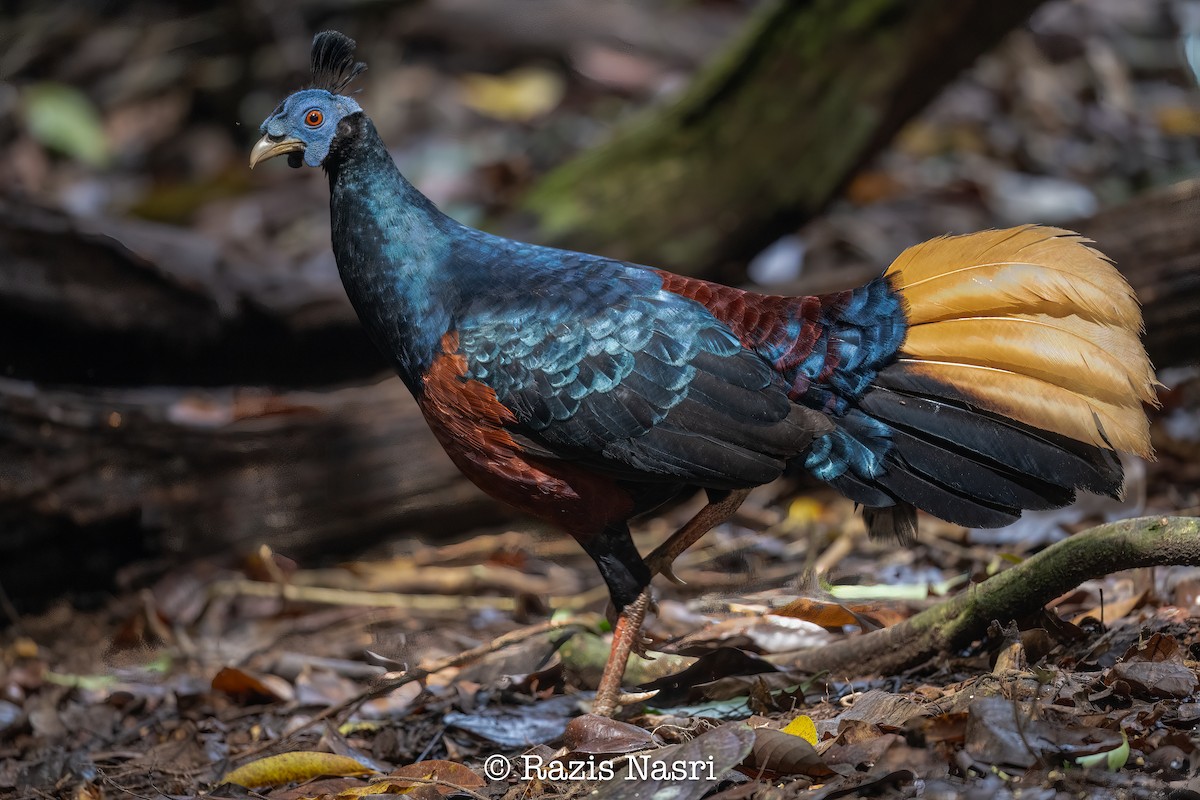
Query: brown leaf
x=325 y=787
x=829 y=614
x=883 y=709
x=998 y=732
x=852 y=731
x=860 y=755
x=1110 y=612
x=707 y=758
x=949 y=728
x=458 y=775
x=591 y=734
x=288 y=767
x=246 y=686
x=776 y=754
x=1154 y=679
x=1158 y=647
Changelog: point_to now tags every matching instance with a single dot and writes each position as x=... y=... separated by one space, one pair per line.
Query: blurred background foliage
x=147 y=109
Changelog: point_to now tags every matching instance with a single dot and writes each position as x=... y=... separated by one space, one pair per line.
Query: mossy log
x=1012 y=594
x=767 y=134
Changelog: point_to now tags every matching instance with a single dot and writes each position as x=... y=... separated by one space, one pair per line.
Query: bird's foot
x=614 y=617
x=638 y=645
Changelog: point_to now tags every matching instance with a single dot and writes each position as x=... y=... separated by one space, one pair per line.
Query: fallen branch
x=1014 y=593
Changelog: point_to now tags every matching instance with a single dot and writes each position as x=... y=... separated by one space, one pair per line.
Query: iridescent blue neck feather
x=391 y=245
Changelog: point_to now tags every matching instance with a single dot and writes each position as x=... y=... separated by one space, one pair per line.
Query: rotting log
x=1155 y=242
x=768 y=133
x=93 y=479
x=123 y=302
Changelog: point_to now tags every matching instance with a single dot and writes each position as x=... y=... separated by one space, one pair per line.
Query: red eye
x=313 y=118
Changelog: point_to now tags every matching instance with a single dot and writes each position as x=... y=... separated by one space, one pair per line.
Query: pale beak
x=266 y=147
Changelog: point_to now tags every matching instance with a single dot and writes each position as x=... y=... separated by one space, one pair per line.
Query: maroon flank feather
x=469 y=422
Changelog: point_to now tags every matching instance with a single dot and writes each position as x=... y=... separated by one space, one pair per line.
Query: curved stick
x=1014 y=593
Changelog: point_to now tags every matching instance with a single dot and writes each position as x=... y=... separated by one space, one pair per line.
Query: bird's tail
x=1020 y=373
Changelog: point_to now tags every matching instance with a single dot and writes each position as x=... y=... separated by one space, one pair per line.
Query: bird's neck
x=392 y=245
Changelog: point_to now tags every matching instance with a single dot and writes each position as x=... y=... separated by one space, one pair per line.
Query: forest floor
x=188 y=679
x=196 y=683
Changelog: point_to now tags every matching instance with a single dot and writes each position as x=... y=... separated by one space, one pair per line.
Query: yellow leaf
x=289 y=767
x=359 y=726
x=521 y=94
x=803 y=511
x=804 y=727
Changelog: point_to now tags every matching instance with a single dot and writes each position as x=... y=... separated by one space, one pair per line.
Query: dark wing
x=601 y=366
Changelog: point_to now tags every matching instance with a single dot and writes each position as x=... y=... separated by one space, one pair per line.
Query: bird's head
x=305 y=124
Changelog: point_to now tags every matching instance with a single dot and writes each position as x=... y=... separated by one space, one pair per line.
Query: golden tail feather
x=1033 y=324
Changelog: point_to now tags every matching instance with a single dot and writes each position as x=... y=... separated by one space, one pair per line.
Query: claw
x=607 y=706
x=629 y=698
x=639 y=648
x=668 y=572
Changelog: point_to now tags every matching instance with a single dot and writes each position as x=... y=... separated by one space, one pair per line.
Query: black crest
x=333 y=65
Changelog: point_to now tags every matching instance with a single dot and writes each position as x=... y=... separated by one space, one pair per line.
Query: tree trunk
x=769 y=133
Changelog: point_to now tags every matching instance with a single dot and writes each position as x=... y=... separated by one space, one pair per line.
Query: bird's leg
x=626 y=573
x=626 y=637
x=628 y=581
x=721 y=506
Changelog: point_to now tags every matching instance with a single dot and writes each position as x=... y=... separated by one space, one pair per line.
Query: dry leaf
x=804 y=727
x=456 y=775
x=246 y=686
x=776 y=754
x=288 y=767
x=830 y=614
x=1110 y=612
x=520 y=95
x=591 y=734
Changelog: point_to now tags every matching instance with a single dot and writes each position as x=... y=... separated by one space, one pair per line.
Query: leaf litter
x=1070 y=705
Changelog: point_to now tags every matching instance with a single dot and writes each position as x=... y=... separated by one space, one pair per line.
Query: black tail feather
x=945 y=502
x=965 y=465
x=897 y=521
x=911 y=403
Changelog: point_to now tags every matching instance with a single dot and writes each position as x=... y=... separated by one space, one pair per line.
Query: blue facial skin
x=290 y=120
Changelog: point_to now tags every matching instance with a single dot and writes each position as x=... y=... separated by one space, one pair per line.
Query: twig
x=1014 y=593
x=358 y=597
x=371 y=599
x=836 y=551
